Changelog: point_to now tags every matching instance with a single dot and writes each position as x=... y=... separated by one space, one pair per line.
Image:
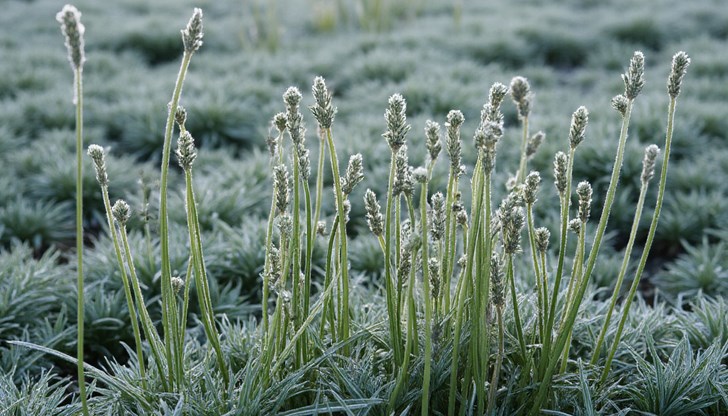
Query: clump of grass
x=447 y=268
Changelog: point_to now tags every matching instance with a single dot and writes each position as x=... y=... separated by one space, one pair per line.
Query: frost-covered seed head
x=97 y=154
x=177 y=284
x=634 y=77
x=281 y=185
x=433 y=265
x=285 y=226
x=354 y=174
x=542 y=239
x=438 y=216
x=496 y=94
x=432 y=133
x=534 y=142
x=274 y=262
x=121 y=212
x=186 y=153
x=584 y=192
x=323 y=111
x=304 y=161
x=192 y=34
x=403 y=183
x=680 y=63
x=373 y=213
x=497 y=281
x=455 y=119
x=575 y=225
x=321 y=228
x=577 y=132
x=560 y=162
x=397 y=127
x=521 y=95
x=420 y=174
x=279 y=122
x=532 y=182
x=180 y=116
x=70 y=19
x=294 y=120
x=648 y=163
x=619 y=103
x=512 y=220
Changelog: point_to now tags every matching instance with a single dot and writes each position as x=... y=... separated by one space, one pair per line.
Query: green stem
x=498 y=362
x=650 y=237
x=169 y=315
x=522 y=164
x=622 y=272
x=147 y=324
x=428 y=302
x=203 y=289
x=344 y=318
x=601 y=228
x=125 y=282
x=514 y=299
x=392 y=311
x=78 y=83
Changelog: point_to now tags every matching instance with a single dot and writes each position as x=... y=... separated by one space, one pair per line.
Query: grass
x=412 y=318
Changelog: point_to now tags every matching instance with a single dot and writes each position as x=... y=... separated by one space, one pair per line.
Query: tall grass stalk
x=633 y=80
x=680 y=63
x=192 y=39
x=73 y=30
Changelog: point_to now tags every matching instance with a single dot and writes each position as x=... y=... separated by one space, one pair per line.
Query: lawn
x=478 y=311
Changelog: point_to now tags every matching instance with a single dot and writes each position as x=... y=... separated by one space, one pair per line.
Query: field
x=228 y=328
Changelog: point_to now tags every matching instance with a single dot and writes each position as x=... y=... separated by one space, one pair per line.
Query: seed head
x=281 y=185
x=534 y=142
x=619 y=103
x=433 y=265
x=432 y=133
x=577 y=132
x=560 y=162
x=285 y=226
x=403 y=183
x=405 y=262
x=274 y=269
x=648 y=163
x=304 y=161
x=397 y=127
x=294 y=119
x=496 y=94
x=186 y=153
x=121 y=212
x=575 y=225
x=279 y=122
x=420 y=174
x=542 y=239
x=497 y=281
x=680 y=63
x=180 y=116
x=437 y=228
x=584 y=191
x=323 y=111
x=177 y=284
x=70 y=19
x=373 y=213
x=192 y=34
x=512 y=220
x=321 y=228
x=354 y=174
x=521 y=95
x=455 y=119
x=97 y=153
x=533 y=180
x=634 y=77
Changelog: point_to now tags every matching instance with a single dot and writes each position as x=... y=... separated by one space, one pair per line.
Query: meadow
x=365 y=207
